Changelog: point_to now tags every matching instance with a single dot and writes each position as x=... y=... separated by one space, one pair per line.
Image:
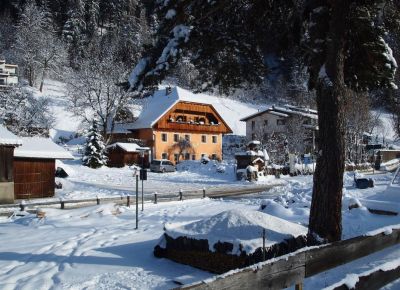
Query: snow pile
x=210 y=169
x=8 y=138
x=242 y=228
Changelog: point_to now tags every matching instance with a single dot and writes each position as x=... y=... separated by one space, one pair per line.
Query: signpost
x=136 y=175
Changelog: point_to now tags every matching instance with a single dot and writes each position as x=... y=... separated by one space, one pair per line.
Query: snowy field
x=98 y=247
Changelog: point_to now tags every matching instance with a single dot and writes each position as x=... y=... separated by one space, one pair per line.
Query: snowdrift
x=229 y=240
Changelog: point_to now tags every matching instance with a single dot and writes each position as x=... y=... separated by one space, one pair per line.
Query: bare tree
x=24 y=114
x=38 y=48
x=183 y=146
x=95 y=91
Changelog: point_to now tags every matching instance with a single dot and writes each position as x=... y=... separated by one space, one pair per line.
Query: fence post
x=299 y=286
x=128 y=201
x=22 y=205
x=155 y=197
x=263 y=237
x=62 y=205
x=180 y=194
x=204 y=192
x=97 y=200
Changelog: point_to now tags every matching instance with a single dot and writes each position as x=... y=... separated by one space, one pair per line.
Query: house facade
x=8 y=75
x=176 y=125
x=277 y=120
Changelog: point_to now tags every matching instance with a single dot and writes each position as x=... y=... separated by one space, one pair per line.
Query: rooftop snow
x=36 y=147
x=239 y=227
x=285 y=112
x=160 y=103
x=8 y=138
x=128 y=147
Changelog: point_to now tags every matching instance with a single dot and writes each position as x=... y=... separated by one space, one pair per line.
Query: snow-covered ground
x=98 y=247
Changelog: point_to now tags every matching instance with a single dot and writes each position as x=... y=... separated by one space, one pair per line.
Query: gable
x=191 y=116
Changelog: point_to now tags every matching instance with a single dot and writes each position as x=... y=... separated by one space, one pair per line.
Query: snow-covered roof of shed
x=161 y=102
x=8 y=138
x=128 y=147
x=37 y=147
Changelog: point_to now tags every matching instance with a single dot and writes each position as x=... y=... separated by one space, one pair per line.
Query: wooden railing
x=293 y=268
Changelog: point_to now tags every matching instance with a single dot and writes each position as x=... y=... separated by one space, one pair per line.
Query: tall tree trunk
x=43 y=78
x=325 y=215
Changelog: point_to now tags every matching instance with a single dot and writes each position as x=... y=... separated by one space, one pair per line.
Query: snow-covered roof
x=285 y=111
x=37 y=147
x=8 y=138
x=238 y=227
x=161 y=102
x=128 y=147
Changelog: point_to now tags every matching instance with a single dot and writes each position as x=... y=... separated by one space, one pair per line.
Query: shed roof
x=128 y=147
x=8 y=138
x=37 y=147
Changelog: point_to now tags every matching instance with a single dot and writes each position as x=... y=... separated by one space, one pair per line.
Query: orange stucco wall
x=208 y=148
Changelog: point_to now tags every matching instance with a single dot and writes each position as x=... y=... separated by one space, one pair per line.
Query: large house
x=277 y=119
x=175 y=124
x=8 y=75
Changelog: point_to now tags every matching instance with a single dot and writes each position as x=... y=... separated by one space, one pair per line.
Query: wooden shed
x=8 y=142
x=388 y=154
x=34 y=167
x=122 y=154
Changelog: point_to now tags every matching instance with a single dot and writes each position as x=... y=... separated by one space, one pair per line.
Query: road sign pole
x=137 y=201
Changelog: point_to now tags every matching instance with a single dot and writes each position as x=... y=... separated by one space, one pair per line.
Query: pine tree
x=95 y=150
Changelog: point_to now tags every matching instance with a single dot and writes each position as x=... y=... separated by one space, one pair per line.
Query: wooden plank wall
x=191 y=111
x=33 y=178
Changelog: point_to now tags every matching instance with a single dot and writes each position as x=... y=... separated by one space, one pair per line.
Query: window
x=187 y=156
x=187 y=137
x=203 y=155
x=214 y=156
x=193 y=157
x=203 y=139
x=214 y=139
x=280 y=122
x=176 y=157
x=253 y=125
x=164 y=137
x=176 y=137
x=164 y=156
x=265 y=122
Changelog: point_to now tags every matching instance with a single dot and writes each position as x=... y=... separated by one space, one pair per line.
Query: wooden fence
x=155 y=198
x=293 y=268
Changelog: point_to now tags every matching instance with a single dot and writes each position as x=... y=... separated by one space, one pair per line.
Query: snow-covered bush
x=94 y=156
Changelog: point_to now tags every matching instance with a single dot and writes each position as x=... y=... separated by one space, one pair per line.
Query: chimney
x=168 y=90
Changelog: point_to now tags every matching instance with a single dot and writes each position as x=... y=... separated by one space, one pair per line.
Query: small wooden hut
x=8 y=142
x=34 y=167
x=122 y=154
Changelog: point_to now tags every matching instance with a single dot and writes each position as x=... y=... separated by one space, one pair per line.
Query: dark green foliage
x=94 y=151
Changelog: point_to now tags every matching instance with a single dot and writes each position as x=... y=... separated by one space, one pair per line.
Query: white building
x=275 y=119
x=8 y=74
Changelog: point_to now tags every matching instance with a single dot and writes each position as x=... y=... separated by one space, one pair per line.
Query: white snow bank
x=68 y=169
x=351 y=279
x=239 y=227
